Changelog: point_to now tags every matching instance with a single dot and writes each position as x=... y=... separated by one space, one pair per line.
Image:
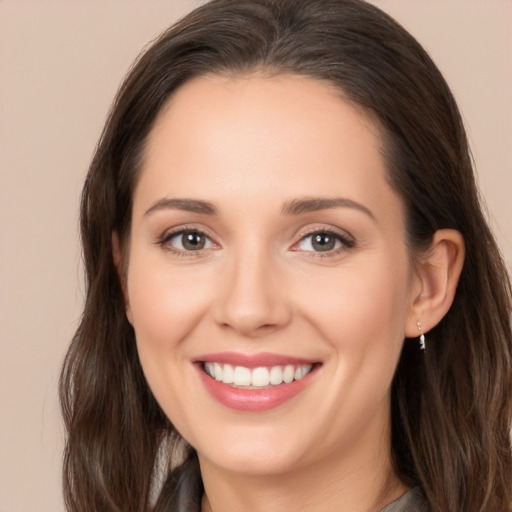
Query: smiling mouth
x=262 y=377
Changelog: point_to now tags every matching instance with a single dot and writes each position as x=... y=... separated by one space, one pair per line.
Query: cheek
x=164 y=303
x=359 y=306
x=360 y=313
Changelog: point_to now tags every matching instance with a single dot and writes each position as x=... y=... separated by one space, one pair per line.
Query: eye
x=323 y=241
x=187 y=240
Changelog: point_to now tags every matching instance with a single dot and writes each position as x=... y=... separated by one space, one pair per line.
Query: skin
x=249 y=146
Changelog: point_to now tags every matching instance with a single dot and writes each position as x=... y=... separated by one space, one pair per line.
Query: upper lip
x=252 y=360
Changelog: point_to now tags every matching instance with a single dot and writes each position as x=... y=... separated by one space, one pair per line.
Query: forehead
x=302 y=102
x=257 y=134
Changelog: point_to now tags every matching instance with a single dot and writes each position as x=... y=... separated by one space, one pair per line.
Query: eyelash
x=166 y=237
x=346 y=241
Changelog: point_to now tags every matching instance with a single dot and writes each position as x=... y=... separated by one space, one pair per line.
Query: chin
x=254 y=465
x=248 y=456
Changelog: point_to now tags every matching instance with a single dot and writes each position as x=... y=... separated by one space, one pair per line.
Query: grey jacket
x=411 y=501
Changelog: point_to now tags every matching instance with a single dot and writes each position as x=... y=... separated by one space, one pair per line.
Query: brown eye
x=193 y=241
x=189 y=241
x=323 y=242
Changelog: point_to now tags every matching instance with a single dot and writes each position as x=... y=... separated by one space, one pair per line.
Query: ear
x=438 y=273
x=120 y=265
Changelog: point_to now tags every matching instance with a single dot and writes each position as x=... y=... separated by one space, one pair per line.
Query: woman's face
x=268 y=279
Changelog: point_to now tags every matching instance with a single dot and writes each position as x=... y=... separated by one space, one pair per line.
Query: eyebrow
x=313 y=204
x=294 y=207
x=189 y=205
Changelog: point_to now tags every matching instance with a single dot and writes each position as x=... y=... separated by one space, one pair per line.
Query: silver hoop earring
x=422 y=336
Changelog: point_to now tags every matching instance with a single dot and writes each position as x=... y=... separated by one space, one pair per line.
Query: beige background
x=60 y=64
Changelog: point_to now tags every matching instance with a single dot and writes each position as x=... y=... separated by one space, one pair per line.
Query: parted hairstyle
x=451 y=405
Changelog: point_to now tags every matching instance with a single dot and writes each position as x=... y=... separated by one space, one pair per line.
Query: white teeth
x=242 y=376
x=228 y=374
x=217 y=368
x=260 y=377
x=302 y=371
x=208 y=368
x=276 y=375
x=288 y=374
x=257 y=377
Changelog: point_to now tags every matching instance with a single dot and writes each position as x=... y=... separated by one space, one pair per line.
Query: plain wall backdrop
x=60 y=65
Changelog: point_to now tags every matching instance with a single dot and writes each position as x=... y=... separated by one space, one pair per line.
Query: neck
x=357 y=482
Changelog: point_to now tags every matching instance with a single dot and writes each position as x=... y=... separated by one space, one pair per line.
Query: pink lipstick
x=254 y=382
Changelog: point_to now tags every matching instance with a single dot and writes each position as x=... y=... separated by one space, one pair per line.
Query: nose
x=252 y=299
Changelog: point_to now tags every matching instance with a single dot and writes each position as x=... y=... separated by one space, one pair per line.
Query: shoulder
x=411 y=501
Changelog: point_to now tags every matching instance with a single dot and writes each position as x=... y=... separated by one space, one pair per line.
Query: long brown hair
x=451 y=406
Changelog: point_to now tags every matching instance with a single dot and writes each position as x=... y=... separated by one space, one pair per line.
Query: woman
x=293 y=298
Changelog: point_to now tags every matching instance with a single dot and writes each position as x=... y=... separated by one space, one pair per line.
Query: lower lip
x=254 y=400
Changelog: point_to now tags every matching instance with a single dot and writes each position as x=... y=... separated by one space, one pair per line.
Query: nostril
x=250 y=329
